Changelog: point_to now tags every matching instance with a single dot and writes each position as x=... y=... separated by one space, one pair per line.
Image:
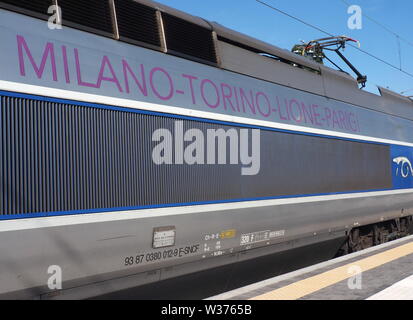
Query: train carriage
x=107 y=169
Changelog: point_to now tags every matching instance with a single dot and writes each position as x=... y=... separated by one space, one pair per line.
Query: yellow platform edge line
x=313 y=284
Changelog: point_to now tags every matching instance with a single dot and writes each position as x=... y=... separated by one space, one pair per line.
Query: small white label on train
x=255 y=237
x=277 y=234
x=164 y=237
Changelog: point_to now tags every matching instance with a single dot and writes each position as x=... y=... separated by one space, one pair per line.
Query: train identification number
x=160 y=255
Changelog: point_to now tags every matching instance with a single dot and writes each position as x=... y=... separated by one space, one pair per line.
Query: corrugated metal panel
x=62 y=157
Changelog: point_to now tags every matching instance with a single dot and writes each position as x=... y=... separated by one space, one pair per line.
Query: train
x=139 y=143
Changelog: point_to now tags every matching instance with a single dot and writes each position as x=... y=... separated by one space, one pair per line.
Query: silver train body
x=82 y=197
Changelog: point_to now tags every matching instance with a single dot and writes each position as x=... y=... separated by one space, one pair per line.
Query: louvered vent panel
x=36 y=6
x=137 y=22
x=186 y=38
x=95 y=14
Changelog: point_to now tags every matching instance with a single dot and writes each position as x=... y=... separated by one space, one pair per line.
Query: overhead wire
x=395 y=34
x=410 y=43
x=406 y=91
x=331 y=35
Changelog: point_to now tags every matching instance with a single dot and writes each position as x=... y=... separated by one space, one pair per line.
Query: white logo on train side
x=404 y=167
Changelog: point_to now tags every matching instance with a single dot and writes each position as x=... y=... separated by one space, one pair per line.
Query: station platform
x=384 y=272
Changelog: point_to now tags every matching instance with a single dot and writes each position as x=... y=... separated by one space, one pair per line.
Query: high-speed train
x=139 y=143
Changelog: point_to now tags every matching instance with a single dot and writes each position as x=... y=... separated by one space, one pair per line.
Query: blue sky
x=254 y=19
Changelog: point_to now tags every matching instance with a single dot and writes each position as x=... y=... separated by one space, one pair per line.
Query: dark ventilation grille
x=137 y=22
x=38 y=7
x=92 y=14
x=61 y=157
x=183 y=37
